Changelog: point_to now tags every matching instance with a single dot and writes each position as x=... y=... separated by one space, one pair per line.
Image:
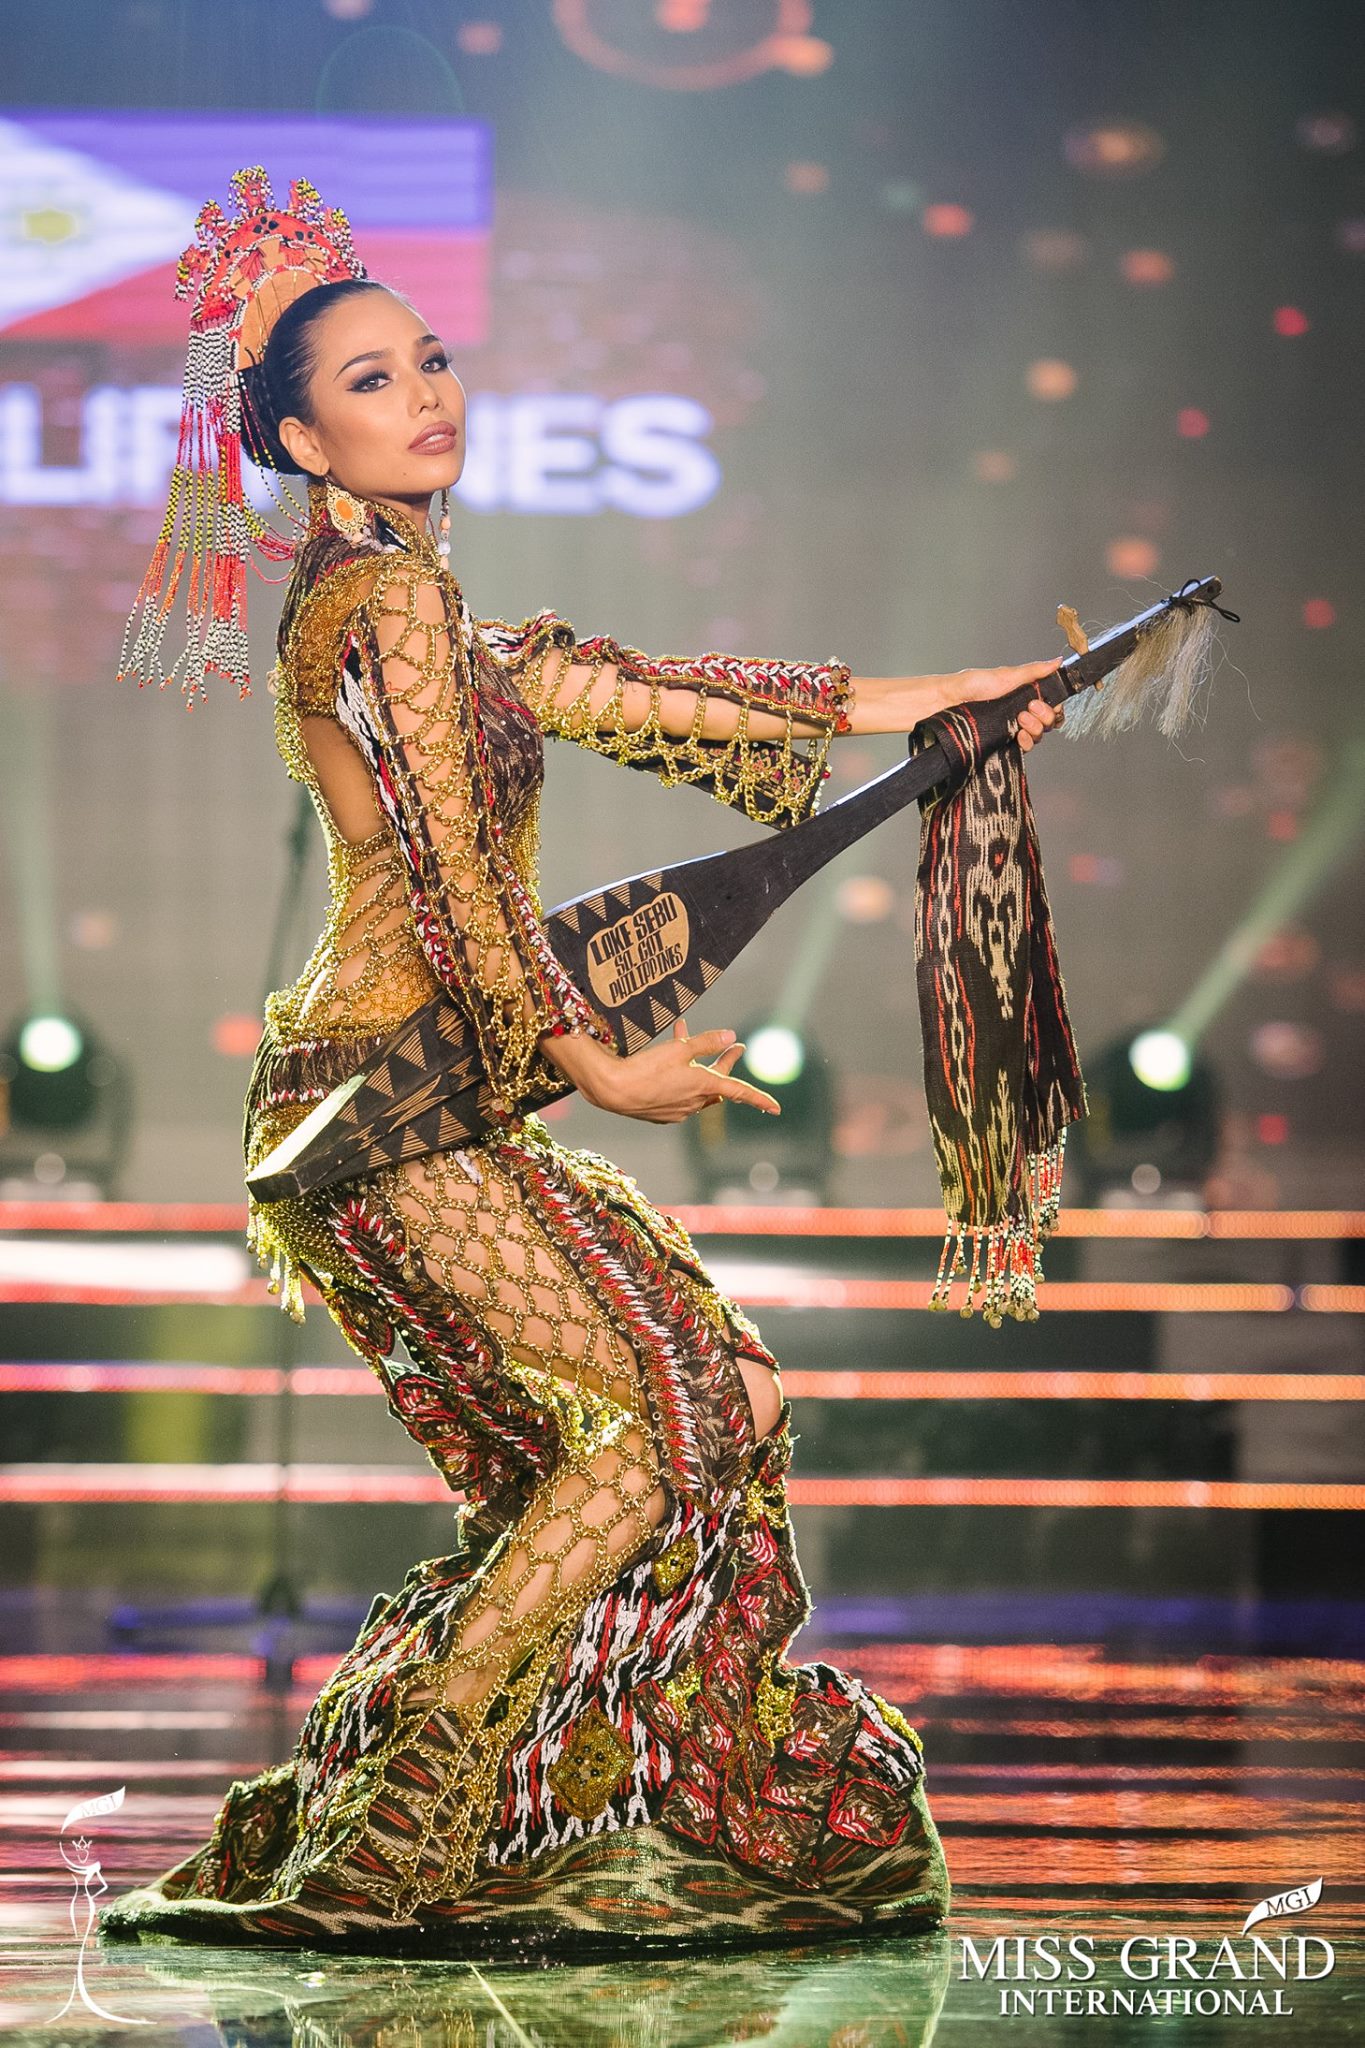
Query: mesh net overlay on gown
x=580 y=1727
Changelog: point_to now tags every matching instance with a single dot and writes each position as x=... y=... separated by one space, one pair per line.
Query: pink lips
x=435 y=441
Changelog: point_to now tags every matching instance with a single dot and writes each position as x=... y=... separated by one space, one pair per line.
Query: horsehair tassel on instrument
x=1001 y=1072
x=647 y=947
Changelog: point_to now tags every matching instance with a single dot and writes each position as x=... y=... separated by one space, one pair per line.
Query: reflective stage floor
x=1106 y=1802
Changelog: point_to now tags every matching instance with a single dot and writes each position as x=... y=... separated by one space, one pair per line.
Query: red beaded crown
x=242 y=272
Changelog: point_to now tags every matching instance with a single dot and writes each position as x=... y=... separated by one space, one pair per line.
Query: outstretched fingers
x=721 y=1086
x=730 y=1090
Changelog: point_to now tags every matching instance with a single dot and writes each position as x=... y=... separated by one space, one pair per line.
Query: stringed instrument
x=647 y=947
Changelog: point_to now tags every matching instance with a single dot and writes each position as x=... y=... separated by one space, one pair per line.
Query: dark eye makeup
x=437 y=356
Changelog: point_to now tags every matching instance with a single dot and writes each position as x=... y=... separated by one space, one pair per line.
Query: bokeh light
x=1346 y=988
x=1288 y=1051
x=1054 y=249
x=775 y=1055
x=803 y=56
x=1147 y=266
x=1114 y=149
x=1131 y=556
x=1290 y=321
x=50 y=1044
x=1050 y=379
x=1287 y=955
x=1095 y=870
x=1329 y=134
x=806 y=177
x=479 y=38
x=1191 y=424
x=1319 y=612
x=947 y=221
x=1160 y=1059
x=1288 y=767
x=94 y=931
x=994 y=466
x=865 y=899
x=236 y=1035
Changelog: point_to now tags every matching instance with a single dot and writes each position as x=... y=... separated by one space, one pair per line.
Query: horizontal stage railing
x=118 y=1376
x=1078 y=1673
x=32 y=1484
x=224 y=1219
x=818 y=1291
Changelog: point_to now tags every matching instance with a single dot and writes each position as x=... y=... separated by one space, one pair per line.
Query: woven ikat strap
x=1001 y=1073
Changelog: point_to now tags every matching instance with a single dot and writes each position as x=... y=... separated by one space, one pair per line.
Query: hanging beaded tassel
x=1013 y=1248
x=240 y=270
x=443 y=528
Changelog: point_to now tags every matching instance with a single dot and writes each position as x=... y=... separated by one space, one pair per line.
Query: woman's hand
x=898 y=704
x=974 y=685
x=661 y=1084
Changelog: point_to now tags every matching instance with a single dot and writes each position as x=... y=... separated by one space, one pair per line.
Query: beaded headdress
x=242 y=272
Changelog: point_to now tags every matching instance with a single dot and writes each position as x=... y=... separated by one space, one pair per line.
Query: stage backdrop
x=880 y=355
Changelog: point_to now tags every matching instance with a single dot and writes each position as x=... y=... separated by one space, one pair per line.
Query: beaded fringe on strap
x=1013 y=1264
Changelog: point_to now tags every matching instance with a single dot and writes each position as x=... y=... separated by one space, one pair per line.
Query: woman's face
x=388 y=411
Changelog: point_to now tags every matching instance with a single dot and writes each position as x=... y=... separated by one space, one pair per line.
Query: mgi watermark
x=1157 y=1975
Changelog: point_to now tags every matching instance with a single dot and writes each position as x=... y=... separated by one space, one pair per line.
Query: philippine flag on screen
x=95 y=209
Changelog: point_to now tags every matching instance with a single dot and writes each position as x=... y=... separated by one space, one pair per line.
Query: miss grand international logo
x=89 y=1882
x=1156 y=1975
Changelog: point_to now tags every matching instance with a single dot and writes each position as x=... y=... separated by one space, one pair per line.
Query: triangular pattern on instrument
x=708 y=971
x=409 y=1048
x=570 y=916
x=635 y=1036
x=662 y=1018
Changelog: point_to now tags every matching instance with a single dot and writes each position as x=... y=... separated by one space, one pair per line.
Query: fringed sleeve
x=407 y=698
x=774 y=780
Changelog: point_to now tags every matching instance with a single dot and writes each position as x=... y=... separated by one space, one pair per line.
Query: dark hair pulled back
x=276 y=388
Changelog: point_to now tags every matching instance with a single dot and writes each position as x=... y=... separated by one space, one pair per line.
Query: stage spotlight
x=739 y=1153
x=774 y=1056
x=1160 y=1059
x=49 y=1045
x=1152 y=1132
x=63 y=1109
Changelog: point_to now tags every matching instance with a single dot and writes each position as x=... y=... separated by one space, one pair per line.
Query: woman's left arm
x=621 y=699
x=752 y=733
x=747 y=729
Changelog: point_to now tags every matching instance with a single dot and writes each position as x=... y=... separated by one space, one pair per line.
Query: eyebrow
x=373 y=354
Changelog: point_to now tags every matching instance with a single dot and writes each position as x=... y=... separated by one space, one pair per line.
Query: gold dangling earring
x=345 y=514
x=443 y=544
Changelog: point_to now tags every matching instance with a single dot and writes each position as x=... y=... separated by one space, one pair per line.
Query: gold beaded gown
x=579 y=1729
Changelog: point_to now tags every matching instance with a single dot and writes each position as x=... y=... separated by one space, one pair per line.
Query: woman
x=579 y=1727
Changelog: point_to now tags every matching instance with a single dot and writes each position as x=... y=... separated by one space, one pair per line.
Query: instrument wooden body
x=644 y=949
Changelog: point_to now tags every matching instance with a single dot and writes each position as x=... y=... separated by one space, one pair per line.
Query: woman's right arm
x=408 y=703
x=661 y=1084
